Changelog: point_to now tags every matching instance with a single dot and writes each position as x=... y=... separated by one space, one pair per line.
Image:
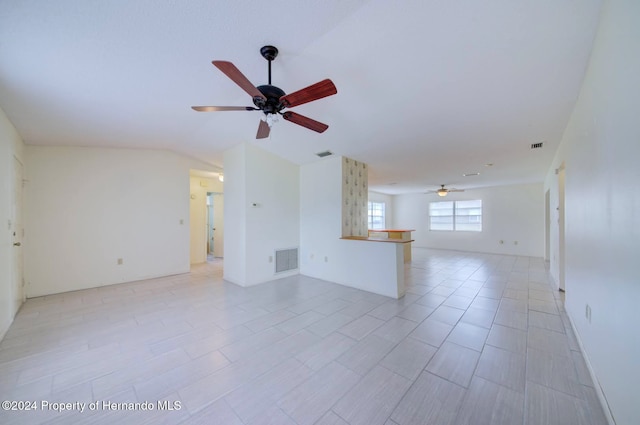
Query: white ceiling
x=427 y=89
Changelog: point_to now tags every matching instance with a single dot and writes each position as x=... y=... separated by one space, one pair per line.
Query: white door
x=547 y=225
x=218 y=224
x=561 y=241
x=18 y=233
x=210 y=227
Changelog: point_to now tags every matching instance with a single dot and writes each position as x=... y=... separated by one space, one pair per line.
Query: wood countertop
x=392 y=230
x=369 y=239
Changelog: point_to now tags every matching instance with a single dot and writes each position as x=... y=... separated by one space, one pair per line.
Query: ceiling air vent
x=536 y=145
x=323 y=154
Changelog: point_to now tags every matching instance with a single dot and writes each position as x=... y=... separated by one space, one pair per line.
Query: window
x=376 y=215
x=468 y=215
x=456 y=215
x=441 y=215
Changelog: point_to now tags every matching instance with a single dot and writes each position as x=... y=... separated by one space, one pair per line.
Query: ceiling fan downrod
x=269 y=53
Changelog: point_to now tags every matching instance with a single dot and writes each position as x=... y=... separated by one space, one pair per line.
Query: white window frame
x=370 y=215
x=455 y=217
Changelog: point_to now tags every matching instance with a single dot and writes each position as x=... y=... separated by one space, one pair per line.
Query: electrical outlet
x=119 y=261
x=501 y=242
x=515 y=242
x=326 y=259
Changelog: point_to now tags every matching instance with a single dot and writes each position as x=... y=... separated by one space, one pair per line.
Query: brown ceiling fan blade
x=304 y=121
x=223 y=108
x=238 y=77
x=263 y=130
x=308 y=94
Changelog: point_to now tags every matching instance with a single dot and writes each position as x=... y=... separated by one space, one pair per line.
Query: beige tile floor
x=478 y=339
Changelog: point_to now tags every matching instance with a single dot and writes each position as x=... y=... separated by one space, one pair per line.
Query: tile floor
x=478 y=339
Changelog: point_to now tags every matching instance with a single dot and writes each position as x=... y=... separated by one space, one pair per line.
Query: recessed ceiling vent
x=536 y=145
x=323 y=154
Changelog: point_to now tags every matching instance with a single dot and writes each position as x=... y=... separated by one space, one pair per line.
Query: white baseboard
x=596 y=384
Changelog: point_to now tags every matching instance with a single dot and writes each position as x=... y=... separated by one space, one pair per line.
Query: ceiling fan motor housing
x=272 y=104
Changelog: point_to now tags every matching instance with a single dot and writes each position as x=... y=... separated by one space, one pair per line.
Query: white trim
x=596 y=384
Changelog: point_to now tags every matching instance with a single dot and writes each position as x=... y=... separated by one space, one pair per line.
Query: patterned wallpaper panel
x=355 y=195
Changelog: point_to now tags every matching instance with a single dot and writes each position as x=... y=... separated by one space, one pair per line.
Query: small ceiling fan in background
x=444 y=191
x=271 y=99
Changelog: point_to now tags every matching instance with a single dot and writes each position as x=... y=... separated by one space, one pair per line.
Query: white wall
x=601 y=150
x=320 y=217
x=262 y=198
x=11 y=147
x=235 y=214
x=388 y=206
x=199 y=186
x=87 y=207
x=509 y=214
x=373 y=266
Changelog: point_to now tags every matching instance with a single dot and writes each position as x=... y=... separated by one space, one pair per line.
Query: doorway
x=206 y=217
x=18 y=293
x=210 y=225
x=547 y=225
x=215 y=225
x=561 y=239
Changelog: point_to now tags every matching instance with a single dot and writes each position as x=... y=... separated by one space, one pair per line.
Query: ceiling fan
x=443 y=191
x=271 y=99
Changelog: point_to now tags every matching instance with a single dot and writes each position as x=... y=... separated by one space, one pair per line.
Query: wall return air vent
x=286 y=259
x=536 y=145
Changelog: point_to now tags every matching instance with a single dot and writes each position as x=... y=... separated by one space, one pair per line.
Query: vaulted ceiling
x=427 y=89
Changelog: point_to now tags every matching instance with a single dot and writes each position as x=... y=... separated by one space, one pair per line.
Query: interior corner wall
x=320 y=217
x=11 y=147
x=512 y=214
x=198 y=189
x=85 y=208
x=372 y=266
x=273 y=215
x=235 y=213
x=600 y=151
x=262 y=200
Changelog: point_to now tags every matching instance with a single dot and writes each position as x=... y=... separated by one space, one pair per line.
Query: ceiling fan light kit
x=270 y=119
x=272 y=100
x=443 y=191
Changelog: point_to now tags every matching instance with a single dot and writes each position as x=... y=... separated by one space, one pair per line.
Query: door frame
x=561 y=227
x=217 y=205
x=547 y=225
x=18 y=294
